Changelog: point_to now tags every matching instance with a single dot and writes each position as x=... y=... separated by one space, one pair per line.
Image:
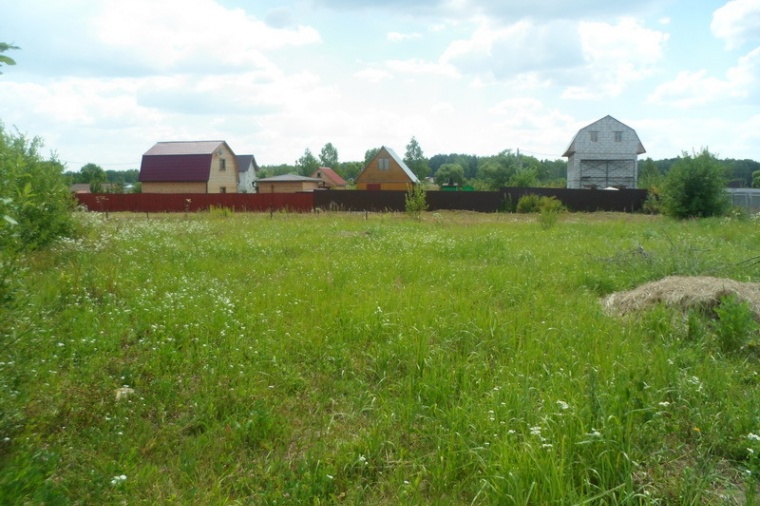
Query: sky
x=101 y=81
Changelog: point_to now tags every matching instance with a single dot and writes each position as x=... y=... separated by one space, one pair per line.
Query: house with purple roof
x=189 y=167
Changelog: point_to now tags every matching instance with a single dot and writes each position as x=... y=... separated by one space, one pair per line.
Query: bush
x=416 y=201
x=695 y=187
x=35 y=203
x=529 y=204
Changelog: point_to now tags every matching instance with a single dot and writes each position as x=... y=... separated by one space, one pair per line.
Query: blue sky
x=102 y=80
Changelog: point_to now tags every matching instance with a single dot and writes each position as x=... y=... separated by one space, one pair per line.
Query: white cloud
x=698 y=88
x=737 y=23
x=616 y=55
x=200 y=35
x=373 y=75
x=399 y=37
x=422 y=67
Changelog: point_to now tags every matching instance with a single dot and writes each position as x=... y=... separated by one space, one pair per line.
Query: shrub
x=549 y=210
x=416 y=201
x=695 y=188
x=529 y=203
x=735 y=324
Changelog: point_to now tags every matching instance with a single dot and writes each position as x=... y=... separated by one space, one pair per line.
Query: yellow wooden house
x=386 y=171
x=189 y=167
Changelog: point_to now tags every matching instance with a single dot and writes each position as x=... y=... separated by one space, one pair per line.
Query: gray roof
x=289 y=178
x=245 y=161
x=571 y=148
x=184 y=148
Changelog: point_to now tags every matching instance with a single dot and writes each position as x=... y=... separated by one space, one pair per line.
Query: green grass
x=375 y=359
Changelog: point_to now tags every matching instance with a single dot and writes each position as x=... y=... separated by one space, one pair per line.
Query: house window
x=222 y=164
x=594 y=135
x=384 y=163
x=222 y=189
x=618 y=136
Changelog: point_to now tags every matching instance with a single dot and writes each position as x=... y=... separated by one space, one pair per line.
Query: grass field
x=376 y=359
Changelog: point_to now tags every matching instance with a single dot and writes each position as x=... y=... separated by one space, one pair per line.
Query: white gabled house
x=248 y=171
x=602 y=155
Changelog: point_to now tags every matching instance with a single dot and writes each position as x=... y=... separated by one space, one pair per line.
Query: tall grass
x=339 y=358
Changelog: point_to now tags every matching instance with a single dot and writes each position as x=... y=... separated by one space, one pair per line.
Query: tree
x=34 y=194
x=756 y=179
x=349 y=170
x=415 y=159
x=524 y=178
x=307 y=164
x=328 y=157
x=496 y=171
x=94 y=175
x=650 y=176
x=6 y=60
x=695 y=187
x=449 y=173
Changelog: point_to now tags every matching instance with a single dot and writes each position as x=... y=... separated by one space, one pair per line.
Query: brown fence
x=585 y=200
x=485 y=202
x=191 y=202
x=349 y=200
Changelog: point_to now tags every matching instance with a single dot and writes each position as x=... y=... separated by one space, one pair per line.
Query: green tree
x=94 y=175
x=496 y=171
x=650 y=176
x=34 y=194
x=349 y=170
x=525 y=177
x=695 y=187
x=415 y=159
x=756 y=179
x=328 y=157
x=449 y=173
x=307 y=164
x=370 y=154
x=4 y=59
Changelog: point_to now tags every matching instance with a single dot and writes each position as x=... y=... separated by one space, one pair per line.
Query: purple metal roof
x=175 y=168
x=181 y=162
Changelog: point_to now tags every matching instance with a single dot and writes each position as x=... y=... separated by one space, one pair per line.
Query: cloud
x=737 y=23
x=399 y=37
x=587 y=59
x=615 y=56
x=415 y=66
x=373 y=75
x=203 y=36
x=524 y=46
x=698 y=88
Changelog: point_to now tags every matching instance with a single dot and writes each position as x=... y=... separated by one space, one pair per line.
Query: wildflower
x=118 y=479
x=753 y=437
x=664 y=404
x=563 y=405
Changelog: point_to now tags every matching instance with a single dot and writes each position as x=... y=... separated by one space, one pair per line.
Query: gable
x=392 y=170
x=606 y=135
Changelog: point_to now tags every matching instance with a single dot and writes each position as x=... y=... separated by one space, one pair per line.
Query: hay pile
x=684 y=293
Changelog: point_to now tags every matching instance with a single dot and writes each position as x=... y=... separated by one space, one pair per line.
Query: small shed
x=386 y=171
x=288 y=183
x=330 y=179
x=604 y=154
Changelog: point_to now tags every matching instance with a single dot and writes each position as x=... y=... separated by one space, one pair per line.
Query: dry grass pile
x=684 y=293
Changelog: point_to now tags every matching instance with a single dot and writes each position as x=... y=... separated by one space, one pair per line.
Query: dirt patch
x=684 y=293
